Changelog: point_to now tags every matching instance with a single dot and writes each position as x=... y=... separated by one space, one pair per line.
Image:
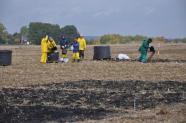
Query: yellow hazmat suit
x=82 y=46
x=82 y=43
x=51 y=44
x=44 y=49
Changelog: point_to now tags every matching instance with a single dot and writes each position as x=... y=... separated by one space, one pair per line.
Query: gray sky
x=97 y=17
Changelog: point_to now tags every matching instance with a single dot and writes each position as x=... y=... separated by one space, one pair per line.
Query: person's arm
x=53 y=46
x=54 y=43
x=85 y=45
x=152 y=49
x=146 y=45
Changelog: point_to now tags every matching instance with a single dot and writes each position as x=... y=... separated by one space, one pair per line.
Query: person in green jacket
x=144 y=49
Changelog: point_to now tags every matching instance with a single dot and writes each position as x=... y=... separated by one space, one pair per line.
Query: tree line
x=120 y=39
x=36 y=30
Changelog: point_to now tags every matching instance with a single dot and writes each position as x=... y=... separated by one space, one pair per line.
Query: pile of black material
x=90 y=99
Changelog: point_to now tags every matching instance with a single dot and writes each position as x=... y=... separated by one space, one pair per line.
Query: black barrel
x=53 y=57
x=5 y=57
x=101 y=52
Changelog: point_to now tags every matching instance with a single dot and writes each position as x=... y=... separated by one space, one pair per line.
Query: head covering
x=46 y=37
x=150 y=40
x=50 y=38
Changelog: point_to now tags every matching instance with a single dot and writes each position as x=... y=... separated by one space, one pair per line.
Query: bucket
x=53 y=57
x=5 y=57
x=101 y=52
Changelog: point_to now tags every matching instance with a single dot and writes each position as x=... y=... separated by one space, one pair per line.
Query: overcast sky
x=97 y=17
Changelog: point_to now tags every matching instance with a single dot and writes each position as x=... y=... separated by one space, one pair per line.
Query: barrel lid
x=102 y=46
x=5 y=51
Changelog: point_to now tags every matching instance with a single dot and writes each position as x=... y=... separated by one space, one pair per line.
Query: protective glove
x=56 y=51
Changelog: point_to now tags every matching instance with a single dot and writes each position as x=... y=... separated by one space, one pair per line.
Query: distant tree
x=38 y=30
x=120 y=39
x=105 y=39
x=184 y=40
x=136 y=38
x=11 y=39
x=35 y=31
x=111 y=39
x=24 y=31
x=139 y=38
x=177 y=40
x=160 y=39
x=94 y=42
x=3 y=34
x=16 y=38
x=70 y=31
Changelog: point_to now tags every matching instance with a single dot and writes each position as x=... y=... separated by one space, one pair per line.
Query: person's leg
x=43 y=58
x=150 y=56
x=64 y=55
x=82 y=54
x=77 y=57
x=144 y=57
x=140 y=58
x=73 y=57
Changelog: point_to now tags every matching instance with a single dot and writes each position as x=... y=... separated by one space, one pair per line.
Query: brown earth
x=27 y=70
x=95 y=91
x=93 y=100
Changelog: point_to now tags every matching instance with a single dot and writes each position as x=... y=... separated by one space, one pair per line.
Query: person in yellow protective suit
x=82 y=46
x=51 y=45
x=44 y=49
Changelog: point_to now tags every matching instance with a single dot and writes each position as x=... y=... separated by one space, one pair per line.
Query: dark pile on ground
x=90 y=99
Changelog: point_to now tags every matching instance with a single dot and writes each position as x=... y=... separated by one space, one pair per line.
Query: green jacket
x=144 y=47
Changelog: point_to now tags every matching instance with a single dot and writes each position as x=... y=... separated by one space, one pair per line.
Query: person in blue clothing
x=143 y=50
x=64 y=45
x=75 y=55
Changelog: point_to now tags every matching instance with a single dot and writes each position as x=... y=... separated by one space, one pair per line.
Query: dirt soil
x=85 y=100
x=27 y=70
x=95 y=91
